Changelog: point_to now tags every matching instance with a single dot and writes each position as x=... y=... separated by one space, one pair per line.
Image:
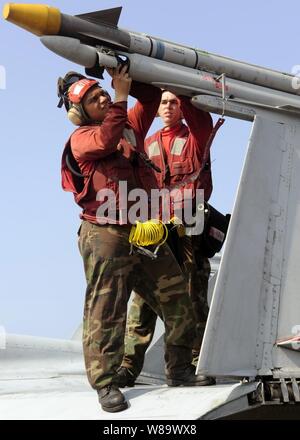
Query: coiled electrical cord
x=148 y=233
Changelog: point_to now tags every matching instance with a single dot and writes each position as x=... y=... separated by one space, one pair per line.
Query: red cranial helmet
x=79 y=89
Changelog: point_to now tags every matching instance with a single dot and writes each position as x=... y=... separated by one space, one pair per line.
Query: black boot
x=188 y=378
x=124 y=378
x=111 y=399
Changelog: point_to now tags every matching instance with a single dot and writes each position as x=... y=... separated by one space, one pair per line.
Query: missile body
x=214 y=104
x=82 y=54
x=183 y=69
x=199 y=59
x=181 y=80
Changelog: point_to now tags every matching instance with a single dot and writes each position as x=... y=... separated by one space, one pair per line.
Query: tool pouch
x=214 y=233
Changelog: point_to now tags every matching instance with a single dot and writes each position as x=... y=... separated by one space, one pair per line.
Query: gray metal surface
x=258 y=277
x=233 y=346
x=71 y=398
x=32 y=357
x=43 y=378
x=289 y=227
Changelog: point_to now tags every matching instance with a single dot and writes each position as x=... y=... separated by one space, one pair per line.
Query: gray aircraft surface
x=251 y=342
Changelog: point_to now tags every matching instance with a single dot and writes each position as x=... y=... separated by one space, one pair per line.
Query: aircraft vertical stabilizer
x=258 y=277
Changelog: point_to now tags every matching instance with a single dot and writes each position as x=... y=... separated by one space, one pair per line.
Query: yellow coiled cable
x=148 y=233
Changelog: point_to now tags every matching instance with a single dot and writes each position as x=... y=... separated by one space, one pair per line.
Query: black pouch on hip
x=214 y=233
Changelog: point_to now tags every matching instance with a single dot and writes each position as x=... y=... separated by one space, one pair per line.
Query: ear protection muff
x=75 y=115
x=75 y=111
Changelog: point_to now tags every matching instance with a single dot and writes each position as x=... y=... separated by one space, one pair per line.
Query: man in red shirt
x=178 y=151
x=101 y=153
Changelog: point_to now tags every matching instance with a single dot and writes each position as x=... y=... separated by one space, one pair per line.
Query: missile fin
x=96 y=71
x=108 y=16
x=104 y=41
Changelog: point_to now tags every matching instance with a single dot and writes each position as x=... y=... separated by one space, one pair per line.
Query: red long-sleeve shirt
x=178 y=151
x=96 y=149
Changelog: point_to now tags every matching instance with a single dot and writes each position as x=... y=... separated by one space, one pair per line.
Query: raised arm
x=93 y=142
x=199 y=122
x=142 y=114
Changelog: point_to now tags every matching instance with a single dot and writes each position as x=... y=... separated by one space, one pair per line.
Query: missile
x=94 y=40
x=213 y=104
x=82 y=54
x=46 y=20
x=182 y=80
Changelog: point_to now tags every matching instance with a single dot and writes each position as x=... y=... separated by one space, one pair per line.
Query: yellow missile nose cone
x=38 y=19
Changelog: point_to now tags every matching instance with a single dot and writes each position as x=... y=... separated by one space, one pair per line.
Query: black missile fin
x=108 y=16
x=96 y=71
x=104 y=41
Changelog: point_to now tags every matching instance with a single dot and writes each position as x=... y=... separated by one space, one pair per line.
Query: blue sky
x=41 y=276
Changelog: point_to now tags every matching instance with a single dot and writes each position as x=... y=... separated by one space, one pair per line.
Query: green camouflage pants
x=111 y=275
x=142 y=319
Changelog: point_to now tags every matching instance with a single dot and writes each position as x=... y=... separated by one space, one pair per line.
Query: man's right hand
x=121 y=82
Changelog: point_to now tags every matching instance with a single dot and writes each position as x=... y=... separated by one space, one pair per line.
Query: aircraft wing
x=43 y=378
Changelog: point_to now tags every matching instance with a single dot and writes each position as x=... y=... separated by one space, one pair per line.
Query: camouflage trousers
x=111 y=275
x=142 y=319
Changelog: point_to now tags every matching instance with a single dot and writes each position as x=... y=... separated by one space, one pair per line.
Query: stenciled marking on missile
x=219 y=85
x=160 y=50
x=2 y=78
x=178 y=50
x=208 y=78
